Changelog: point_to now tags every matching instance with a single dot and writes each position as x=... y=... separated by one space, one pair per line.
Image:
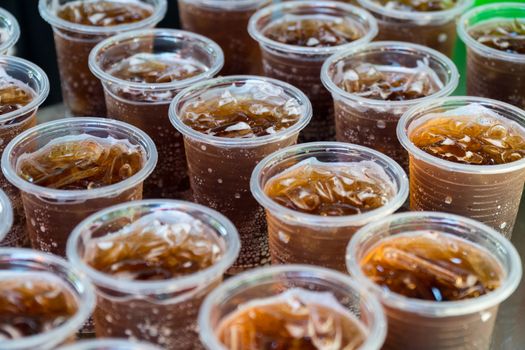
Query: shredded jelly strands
x=418 y=5
x=81 y=162
x=314 y=31
x=331 y=189
x=389 y=83
x=294 y=320
x=471 y=135
x=242 y=111
x=432 y=266
x=158 y=246
x=156 y=68
x=503 y=35
x=14 y=94
x=33 y=303
x=104 y=13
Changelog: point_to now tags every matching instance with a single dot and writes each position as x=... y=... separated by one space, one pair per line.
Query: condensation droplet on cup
x=503 y=225
x=237 y=195
x=442 y=37
x=219 y=181
x=448 y=200
x=485 y=316
x=381 y=124
x=284 y=237
x=203 y=147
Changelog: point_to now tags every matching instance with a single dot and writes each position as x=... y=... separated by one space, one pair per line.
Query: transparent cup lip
x=13 y=30
x=327 y=221
x=6 y=215
x=58 y=194
x=258 y=36
x=375 y=338
x=36 y=73
x=398 y=46
x=164 y=286
x=85 y=308
x=430 y=308
x=423 y=17
x=109 y=343
x=228 y=4
x=159 y=11
x=470 y=42
x=212 y=47
x=187 y=131
x=402 y=128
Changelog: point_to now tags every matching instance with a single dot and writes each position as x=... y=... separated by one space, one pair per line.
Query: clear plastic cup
x=14 y=123
x=301 y=65
x=163 y=312
x=53 y=213
x=15 y=261
x=82 y=92
x=371 y=122
x=109 y=344
x=490 y=72
x=270 y=281
x=301 y=238
x=225 y=22
x=146 y=105
x=220 y=168
x=6 y=215
x=435 y=29
x=490 y=194
x=424 y=324
x=9 y=31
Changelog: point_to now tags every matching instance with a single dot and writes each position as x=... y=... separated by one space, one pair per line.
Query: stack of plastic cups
x=9 y=31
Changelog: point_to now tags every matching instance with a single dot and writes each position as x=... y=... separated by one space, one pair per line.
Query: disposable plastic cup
x=424 y=324
x=301 y=65
x=301 y=238
x=490 y=72
x=371 y=122
x=268 y=282
x=53 y=213
x=14 y=123
x=220 y=168
x=109 y=344
x=226 y=22
x=6 y=215
x=162 y=312
x=16 y=262
x=82 y=92
x=9 y=31
x=435 y=29
x=145 y=105
x=488 y=193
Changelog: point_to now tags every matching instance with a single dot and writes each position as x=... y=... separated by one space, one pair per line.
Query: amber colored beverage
x=297 y=37
x=142 y=71
x=81 y=166
x=152 y=263
x=440 y=278
x=78 y=25
x=226 y=22
x=494 y=35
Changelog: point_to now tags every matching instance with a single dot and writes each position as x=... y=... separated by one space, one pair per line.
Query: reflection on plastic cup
x=9 y=31
x=6 y=215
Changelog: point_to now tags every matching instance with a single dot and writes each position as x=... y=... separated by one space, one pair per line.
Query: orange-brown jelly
x=104 y=13
x=485 y=139
x=13 y=94
x=331 y=189
x=81 y=162
x=295 y=320
x=314 y=31
x=507 y=36
x=156 y=247
x=32 y=304
x=433 y=266
x=418 y=5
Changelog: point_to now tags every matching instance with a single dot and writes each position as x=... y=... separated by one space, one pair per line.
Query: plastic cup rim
x=159 y=11
x=228 y=4
x=29 y=68
x=109 y=343
x=6 y=215
x=431 y=308
x=478 y=47
x=116 y=40
x=264 y=41
x=86 y=302
x=452 y=166
x=61 y=124
x=163 y=286
x=189 y=132
x=14 y=30
x=405 y=47
x=374 y=339
x=327 y=221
